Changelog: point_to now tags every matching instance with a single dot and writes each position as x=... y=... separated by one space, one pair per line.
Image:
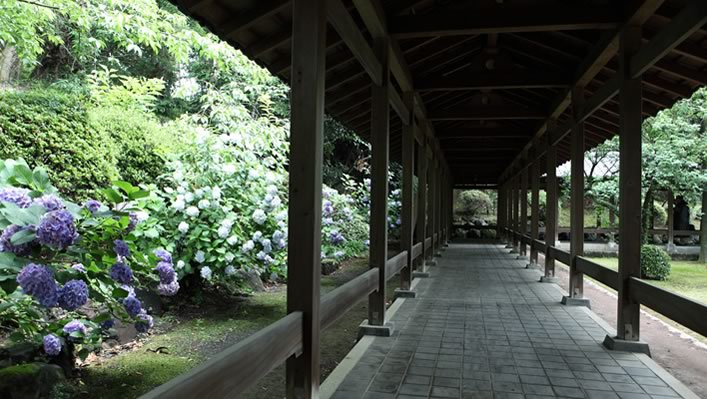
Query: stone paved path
x=483 y=327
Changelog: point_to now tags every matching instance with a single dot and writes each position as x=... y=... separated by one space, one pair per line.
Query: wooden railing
x=615 y=230
x=678 y=308
x=233 y=371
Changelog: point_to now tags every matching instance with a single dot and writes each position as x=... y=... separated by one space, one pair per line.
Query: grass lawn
x=687 y=278
x=189 y=338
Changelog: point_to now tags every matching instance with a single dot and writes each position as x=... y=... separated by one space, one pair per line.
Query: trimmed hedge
x=51 y=129
x=655 y=263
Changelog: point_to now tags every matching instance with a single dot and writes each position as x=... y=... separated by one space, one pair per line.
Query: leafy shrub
x=51 y=129
x=133 y=134
x=655 y=263
x=344 y=225
x=660 y=215
x=472 y=202
x=67 y=270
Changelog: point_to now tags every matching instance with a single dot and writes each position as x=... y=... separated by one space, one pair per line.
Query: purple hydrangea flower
x=78 y=267
x=144 y=322
x=57 y=230
x=49 y=202
x=52 y=345
x=74 y=326
x=17 y=196
x=107 y=324
x=168 y=289
x=121 y=248
x=132 y=305
x=133 y=221
x=166 y=272
x=121 y=273
x=73 y=295
x=6 y=244
x=336 y=237
x=38 y=281
x=328 y=208
x=92 y=205
x=163 y=255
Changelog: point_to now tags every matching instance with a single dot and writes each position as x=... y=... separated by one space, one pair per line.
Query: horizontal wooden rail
x=538 y=245
x=676 y=307
x=337 y=302
x=394 y=264
x=224 y=376
x=606 y=230
x=428 y=243
x=598 y=272
x=562 y=256
x=473 y=226
x=416 y=250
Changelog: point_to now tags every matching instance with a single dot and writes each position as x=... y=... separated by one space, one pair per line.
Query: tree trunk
x=9 y=65
x=703 y=229
x=647 y=214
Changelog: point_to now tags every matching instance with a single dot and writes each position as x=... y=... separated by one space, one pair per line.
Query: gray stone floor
x=483 y=327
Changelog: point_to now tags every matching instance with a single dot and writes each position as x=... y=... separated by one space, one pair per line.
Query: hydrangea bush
x=67 y=270
x=344 y=225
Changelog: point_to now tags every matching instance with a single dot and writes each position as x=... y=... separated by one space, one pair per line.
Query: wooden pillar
x=516 y=212
x=671 y=221
x=433 y=204
x=523 y=210
x=534 y=208
x=406 y=210
x=630 y=101
x=500 y=212
x=378 y=252
x=305 y=193
x=421 y=225
x=577 y=201
x=509 y=212
x=550 y=202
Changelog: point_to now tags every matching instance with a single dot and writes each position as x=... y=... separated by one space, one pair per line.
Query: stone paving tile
x=481 y=327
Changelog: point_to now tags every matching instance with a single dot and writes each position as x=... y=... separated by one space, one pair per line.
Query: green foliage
x=655 y=263
x=51 y=129
x=472 y=202
x=112 y=90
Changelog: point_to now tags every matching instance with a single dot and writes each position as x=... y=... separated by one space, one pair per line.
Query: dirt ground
x=683 y=357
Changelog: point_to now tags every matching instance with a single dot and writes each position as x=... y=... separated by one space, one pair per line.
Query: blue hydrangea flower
x=92 y=205
x=259 y=216
x=327 y=208
x=17 y=196
x=166 y=272
x=38 y=281
x=73 y=295
x=277 y=236
x=57 y=229
x=339 y=254
x=52 y=345
x=107 y=324
x=206 y=273
x=6 y=244
x=144 y=322
x=121 y=248
x=133 y=220
x=163 y=255
x=74 y=326
x=121 y=273
x=169 y=289
x=267 y=246
x=132 y=305
x=78 y=267
x=336 y=237
x=230 y=270
x=49 y=202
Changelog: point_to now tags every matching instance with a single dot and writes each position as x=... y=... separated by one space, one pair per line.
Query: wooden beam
x=504 y=19
x=471 y=113
x=306 y=148
x=478 y=133
x=406 y=212
x=252 y=16
x=399 y=106
x=343 y=23
x=421 y=223
x=690 y=19
x=576 y=283
x=467 y=80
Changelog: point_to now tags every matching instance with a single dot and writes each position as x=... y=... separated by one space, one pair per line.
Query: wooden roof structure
x=487 y=74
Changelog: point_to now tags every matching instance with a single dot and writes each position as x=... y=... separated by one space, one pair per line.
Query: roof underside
x=489 y=72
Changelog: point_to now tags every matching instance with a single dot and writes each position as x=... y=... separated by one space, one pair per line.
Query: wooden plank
x=562 y=256
x=576 y=284
x=551 y=209
x=428 y=243
x=395 y=264
x=336 y=303
x=346 y=27
x=305 y=205
x=407 y=208
x=378 y=253
x=516 y=79
x=252 y=16
x=689 y=20
x=481 y=133
x=471 y=113
x=416 y=250
x=504 y=19
x=231 y=372
x=600 y=97
x=628 y=327
x=535 y=172
x=678 y=308
x=598 y=272
x=523 y=209
x=399 y=106
x=421 y=224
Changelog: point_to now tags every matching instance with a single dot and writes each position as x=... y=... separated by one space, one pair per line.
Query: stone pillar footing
x=569 y=301
x=514 y=251
x=420 y=274
x=401 y=293
x=521 y=257
x=509 y=246
x=438 y=255
x=548 y=279
x=432 y=262
x=385 y=330
x=531 y=265
x=616 y=344
x=446 y=245
x=670 y=248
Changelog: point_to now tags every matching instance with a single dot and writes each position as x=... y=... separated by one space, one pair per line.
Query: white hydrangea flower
x=168 y=190
x=178 y=175
x=229 y=257
x=229 y=168
x=189 y=197
x=230 y=270
x=248 y=246
x=192 y=211
x=206 y=273
x=257 y=236
x=253 y=174
x=203 y=204
x=271 y=178
x=267 y=245
x=179 y=205
x=261 y=255
x=216 y=193
x=183 y=227
x=276 y=202
x=199 y=193
x=181 y=189
x=142 y=216
x=200 y=256
x=223 y=231
x=259 y=216
x=272 y=190
x=180 y=265
x=232 y=240
x=281 y=216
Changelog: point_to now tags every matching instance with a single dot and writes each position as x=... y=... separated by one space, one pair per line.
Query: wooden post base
x=385 y=330
x=548 y=279
x=569 y=301
x=401 y=293
x=616 y=344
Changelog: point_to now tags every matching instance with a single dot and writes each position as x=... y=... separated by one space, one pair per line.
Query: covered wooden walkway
x=482 y=326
